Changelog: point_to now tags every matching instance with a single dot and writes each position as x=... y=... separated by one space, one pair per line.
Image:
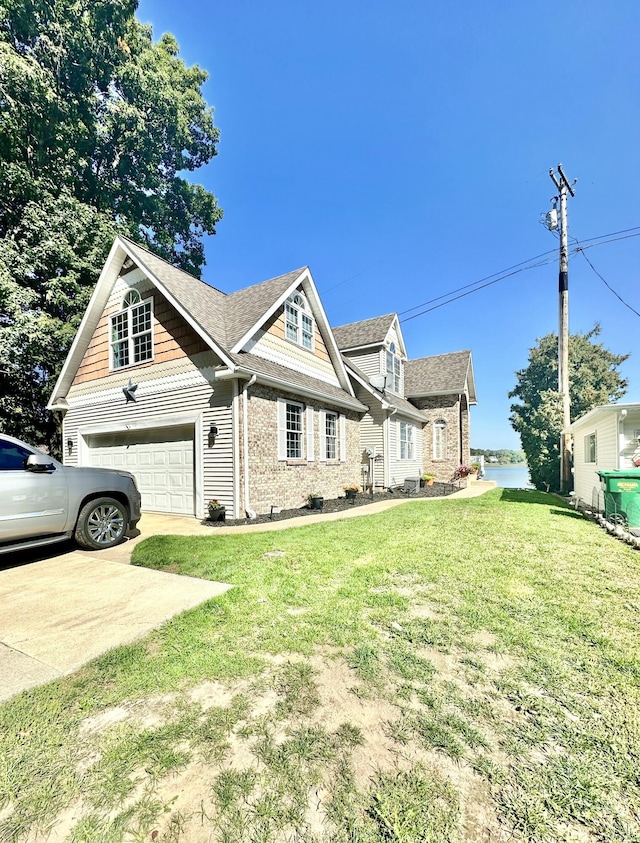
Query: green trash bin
x=622 y=497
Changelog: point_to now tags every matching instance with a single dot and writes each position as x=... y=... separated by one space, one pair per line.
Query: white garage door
x=161 y=459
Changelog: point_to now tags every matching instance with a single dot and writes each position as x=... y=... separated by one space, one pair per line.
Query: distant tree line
x=504 y=456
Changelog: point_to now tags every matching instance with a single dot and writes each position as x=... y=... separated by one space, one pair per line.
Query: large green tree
x=99 y=125
x=594 y=379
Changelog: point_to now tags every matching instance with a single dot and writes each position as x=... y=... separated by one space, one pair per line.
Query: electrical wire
x=475 y=289
x=477 y=285
x=605 y=282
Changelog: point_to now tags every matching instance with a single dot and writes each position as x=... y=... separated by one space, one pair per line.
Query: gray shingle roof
x=367 y=332
x=205 y=304
x=400 y=404
x=296 y=379
x=439 y=375
x=246 y=306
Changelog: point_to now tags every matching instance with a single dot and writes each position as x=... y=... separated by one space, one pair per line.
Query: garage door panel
x=162 y=461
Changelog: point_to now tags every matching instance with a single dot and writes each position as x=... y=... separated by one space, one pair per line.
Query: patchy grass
x=446 y=671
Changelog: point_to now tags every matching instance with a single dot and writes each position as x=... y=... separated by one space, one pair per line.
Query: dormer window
x=132 y=332
x=298 y=321
x=393 y=369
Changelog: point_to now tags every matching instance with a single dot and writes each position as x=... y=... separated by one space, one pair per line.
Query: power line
x=518 y=267
x=616 y=294
x=479 y=281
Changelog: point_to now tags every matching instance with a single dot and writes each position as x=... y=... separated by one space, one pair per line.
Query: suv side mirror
x=39 y=463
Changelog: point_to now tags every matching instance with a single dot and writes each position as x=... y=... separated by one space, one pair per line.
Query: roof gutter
x=240 y=372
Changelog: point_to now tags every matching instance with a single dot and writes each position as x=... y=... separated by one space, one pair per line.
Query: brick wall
x=455 y=412
x=286 y=485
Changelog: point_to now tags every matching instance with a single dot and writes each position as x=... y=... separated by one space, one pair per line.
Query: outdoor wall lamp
x=70 y=446
x=211 y=439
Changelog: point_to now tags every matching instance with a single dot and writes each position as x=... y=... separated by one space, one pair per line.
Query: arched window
x=131 y=298
x=393 y=369
x=439 y=439
x=298 y=321
x=132 y=332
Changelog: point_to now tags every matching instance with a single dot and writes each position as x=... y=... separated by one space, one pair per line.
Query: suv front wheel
x=102 y=523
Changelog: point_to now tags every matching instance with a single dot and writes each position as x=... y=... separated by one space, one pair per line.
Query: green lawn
x=455 y=670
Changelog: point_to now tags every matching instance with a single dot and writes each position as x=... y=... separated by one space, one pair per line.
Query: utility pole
x=562 y=184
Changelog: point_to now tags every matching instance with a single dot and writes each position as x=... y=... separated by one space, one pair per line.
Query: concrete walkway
x=59 y=612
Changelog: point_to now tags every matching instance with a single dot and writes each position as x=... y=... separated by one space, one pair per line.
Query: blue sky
x=402 y=150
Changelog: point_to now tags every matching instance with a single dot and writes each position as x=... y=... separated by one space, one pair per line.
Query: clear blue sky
x=402 y=150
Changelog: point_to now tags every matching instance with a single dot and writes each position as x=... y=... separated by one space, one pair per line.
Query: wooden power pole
x=562 y=184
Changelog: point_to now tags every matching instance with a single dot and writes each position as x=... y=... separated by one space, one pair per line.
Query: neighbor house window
x=393 y=369
x=590 y=450
x=132 y=332
x=440 y=439
x=298 y=322
x=406 y=441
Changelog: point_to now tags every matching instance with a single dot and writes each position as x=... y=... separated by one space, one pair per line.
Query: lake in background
x=508 y=476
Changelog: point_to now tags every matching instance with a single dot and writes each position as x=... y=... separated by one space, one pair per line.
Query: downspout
x=460 y=431
x=245 y=444
x=387 y=455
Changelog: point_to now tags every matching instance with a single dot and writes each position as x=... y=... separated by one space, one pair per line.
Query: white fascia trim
x=309 y=288
x=102 y=291
x=300 y=390
x=603 y=408
x=186 y=315
x=396 y=324
x=141 y=424
x=334 y=352
x=268 y=313
x=362 y=347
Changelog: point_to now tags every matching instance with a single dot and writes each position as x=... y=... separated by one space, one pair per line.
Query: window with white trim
x=131 y=332
x=331 y=435
x=294 y=430
x=298 y=321
x=393 y=369
x=590 y=448
x=406 y=441
x=439 y=439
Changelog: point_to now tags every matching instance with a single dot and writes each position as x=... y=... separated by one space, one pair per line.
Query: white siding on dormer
x=370 y=362
x=276 y=350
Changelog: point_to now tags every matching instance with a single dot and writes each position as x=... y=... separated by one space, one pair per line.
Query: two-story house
x=243 y=397
x=418 y=416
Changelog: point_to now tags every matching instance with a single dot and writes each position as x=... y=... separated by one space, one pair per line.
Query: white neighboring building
x=604 y=439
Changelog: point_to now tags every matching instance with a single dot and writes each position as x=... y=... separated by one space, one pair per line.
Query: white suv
x=43 y=501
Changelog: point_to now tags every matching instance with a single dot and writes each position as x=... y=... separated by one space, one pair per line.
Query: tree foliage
x=98 y=126
x=594 y=379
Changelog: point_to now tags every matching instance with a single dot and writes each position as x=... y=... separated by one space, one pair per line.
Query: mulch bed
x=338 y=505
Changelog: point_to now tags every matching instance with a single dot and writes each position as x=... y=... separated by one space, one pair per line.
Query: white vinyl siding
x=213 y=466
x=401 y=467
x=586 y=482
x=590 y=448
x=406 y=442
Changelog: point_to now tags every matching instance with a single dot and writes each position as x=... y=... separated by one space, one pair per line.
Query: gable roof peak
x=365 y=332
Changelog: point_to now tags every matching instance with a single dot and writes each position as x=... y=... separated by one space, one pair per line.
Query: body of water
x=508 y=476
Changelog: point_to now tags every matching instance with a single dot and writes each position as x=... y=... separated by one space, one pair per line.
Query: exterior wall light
x=70 y=446
x=211 y=438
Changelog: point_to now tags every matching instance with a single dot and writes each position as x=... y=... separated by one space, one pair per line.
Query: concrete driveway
x=68 y=606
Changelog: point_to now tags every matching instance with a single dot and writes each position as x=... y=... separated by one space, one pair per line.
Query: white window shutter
x=322 y=416
x=342 y=423
x=398 y=427
x=310 y=435
x=282 y=429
